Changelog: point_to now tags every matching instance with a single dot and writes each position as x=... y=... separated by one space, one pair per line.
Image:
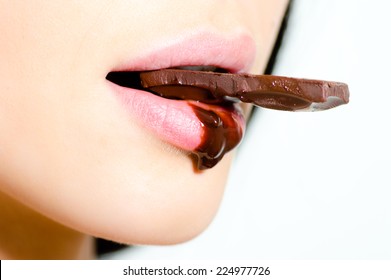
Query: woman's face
x=93 y=156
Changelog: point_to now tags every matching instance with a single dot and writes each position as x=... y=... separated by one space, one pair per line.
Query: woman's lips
x=208 y=131
x=174 y=121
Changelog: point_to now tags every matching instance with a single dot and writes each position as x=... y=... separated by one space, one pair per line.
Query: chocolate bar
x=273 y=92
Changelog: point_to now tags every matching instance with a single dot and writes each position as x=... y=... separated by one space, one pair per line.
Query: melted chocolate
x=221 y=134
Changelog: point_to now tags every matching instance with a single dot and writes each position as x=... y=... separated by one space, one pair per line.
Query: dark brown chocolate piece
x=221 y=132
x=274 y=92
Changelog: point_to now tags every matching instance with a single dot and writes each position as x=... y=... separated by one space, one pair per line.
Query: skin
x=72 y=165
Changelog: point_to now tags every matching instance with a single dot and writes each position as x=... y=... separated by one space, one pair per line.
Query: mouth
x=189 y=118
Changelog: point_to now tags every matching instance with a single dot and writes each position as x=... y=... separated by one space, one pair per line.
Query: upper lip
x=234 y=53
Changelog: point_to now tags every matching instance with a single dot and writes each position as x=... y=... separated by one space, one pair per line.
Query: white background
x=312 y=185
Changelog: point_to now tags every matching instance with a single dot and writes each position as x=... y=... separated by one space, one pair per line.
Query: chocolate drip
x=221 y=134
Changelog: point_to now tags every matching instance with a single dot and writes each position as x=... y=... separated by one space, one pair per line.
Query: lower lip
x=208 y=131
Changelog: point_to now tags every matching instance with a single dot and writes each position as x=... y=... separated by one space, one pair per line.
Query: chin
x=160 y=210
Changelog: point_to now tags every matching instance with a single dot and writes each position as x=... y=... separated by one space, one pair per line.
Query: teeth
x=206 y=68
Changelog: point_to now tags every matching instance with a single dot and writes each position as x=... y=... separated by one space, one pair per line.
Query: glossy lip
x=174 y=121
x=235 y=53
